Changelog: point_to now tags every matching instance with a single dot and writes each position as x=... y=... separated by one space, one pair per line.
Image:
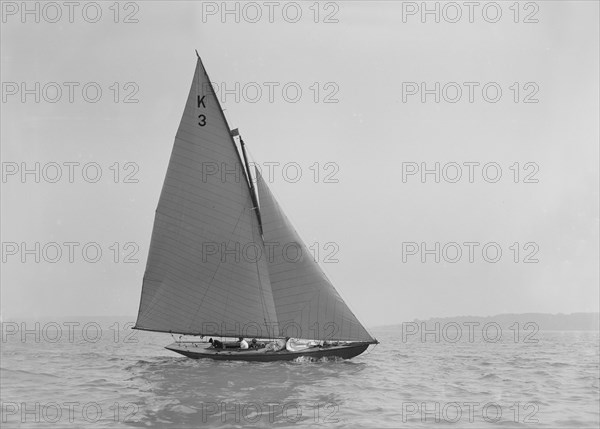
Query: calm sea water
x=120 y=381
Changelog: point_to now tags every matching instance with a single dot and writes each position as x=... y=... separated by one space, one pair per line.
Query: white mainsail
x=195 y=280
x=305 y=299
x=200 y=278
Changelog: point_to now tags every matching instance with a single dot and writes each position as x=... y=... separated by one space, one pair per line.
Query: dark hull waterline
x=202 y=352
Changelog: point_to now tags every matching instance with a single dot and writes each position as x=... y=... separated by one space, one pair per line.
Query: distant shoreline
x=544 y=321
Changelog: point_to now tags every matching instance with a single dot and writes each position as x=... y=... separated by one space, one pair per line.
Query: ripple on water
x=554 y=381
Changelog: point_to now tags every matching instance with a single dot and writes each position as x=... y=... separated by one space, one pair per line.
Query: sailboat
x=220 y=264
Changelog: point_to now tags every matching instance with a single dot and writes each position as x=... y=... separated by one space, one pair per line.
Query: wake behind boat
x=219 y=263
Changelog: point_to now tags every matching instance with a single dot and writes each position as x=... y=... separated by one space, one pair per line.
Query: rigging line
x=212 y=89
x=260 y=288
x=254 y=196
x=214 y=274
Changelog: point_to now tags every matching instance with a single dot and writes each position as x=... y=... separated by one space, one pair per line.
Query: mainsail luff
x=204 y=204
x=307 y=304
x=253 y=194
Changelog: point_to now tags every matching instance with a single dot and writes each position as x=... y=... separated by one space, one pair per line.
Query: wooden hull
x=201 y=351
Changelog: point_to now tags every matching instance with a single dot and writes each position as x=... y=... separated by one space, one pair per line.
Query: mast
x=232 y=134
x=251 y=183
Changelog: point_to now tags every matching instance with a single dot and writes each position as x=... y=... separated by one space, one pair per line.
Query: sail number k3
x=201 y=117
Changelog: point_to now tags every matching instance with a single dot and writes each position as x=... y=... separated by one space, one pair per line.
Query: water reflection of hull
x=201 y=351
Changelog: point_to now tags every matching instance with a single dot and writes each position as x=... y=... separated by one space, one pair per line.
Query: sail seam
x=210 y=284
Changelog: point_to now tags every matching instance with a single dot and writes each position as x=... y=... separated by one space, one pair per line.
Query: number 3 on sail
x=262 y=308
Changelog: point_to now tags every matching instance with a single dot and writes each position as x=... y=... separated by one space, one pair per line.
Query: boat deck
x=202 y=350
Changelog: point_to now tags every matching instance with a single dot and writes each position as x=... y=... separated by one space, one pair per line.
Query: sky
x=350 y=102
